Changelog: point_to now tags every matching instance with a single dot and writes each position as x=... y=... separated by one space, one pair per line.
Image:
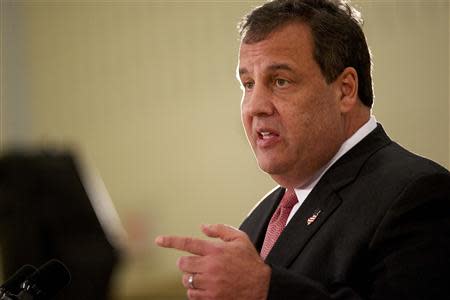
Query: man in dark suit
x=356 y=216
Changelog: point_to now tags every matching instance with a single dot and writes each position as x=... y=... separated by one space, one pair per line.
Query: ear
x=348 y=84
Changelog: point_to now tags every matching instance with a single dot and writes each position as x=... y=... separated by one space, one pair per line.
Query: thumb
x=224 y=232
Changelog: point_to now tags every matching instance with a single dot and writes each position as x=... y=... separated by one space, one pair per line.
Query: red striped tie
x=278 y=221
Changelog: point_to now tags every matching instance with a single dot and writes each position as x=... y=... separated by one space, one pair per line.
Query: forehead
x=291 y=44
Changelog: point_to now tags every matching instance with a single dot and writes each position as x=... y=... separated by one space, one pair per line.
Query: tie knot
x=289 y=199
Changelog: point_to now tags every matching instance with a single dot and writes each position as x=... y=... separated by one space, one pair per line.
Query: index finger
x=189 y=244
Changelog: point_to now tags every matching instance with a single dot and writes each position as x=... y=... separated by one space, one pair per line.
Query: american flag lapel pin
x=313 y=217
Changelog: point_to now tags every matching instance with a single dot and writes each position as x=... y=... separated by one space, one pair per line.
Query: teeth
x=265 y=134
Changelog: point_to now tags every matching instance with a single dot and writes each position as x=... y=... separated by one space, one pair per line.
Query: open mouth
x=266 y=134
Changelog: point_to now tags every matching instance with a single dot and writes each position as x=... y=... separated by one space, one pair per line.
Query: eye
x=248 y=85
x=281 y=82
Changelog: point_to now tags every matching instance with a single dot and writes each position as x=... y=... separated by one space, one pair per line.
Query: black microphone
x=46 y=282
x=13 y=285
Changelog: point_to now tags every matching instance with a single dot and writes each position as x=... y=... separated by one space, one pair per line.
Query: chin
x=281 y=173
x=270 y=167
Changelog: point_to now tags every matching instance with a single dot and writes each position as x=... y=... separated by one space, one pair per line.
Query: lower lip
x=267 y=142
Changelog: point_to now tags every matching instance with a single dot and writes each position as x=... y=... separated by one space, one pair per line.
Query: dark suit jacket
x=383 y=231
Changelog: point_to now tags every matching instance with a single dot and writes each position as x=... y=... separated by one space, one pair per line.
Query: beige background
x=145 y=91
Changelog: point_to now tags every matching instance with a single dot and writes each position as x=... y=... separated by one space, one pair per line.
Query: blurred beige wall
x=146 y=91
x=409 y=42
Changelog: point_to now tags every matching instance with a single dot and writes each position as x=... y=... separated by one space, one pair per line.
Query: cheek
x=296 y=120
x=246 y=122
x=306 y=120
x=243 y=111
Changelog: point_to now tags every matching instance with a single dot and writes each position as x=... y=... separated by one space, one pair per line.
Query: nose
x=258 y=102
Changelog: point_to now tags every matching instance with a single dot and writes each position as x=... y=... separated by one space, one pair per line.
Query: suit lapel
x=318 y=207
x=323 y=200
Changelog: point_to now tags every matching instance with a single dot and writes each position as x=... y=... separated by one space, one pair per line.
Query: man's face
x=290 y=114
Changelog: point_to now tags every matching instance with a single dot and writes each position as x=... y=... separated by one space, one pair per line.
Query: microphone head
x=48 y=280
x=12 y=285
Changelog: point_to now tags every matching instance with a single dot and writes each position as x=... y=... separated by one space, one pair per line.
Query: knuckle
x=187 y=242
x=213 y=269
x=215 y=266
x=218 y=249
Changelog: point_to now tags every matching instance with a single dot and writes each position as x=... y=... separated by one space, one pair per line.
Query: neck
x=353 y=122
x=350 y=124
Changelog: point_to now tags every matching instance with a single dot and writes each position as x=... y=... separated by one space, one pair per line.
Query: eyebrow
x=273 y=67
